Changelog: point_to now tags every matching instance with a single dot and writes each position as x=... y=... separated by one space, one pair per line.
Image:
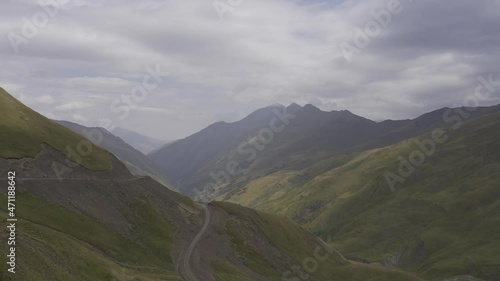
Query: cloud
x=45 y=100
x=265 y=52
x=79 y=118
x=152 y=109
x=71 y=106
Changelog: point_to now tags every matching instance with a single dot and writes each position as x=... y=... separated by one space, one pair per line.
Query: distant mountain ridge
x=327 y=171
x=140 y=142
x=310 y=136
x=438 y=219
x=100 y=222
x=137 y=162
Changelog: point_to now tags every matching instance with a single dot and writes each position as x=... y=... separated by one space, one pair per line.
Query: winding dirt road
x=185 y=269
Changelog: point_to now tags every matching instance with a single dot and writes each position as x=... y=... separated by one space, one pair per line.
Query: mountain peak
x=311 y=108
x=293 y=107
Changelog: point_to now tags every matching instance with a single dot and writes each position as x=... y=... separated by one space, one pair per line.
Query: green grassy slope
x=318 y=261
x=441 y=222
x=311 y=136
x=55 y=243
x=23 y=130
x=58 y=243
x=110 y=225
x=137 y=162
x=224 y=271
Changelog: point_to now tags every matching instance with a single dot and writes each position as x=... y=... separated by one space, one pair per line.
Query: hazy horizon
x=209 y=67
x=239 y=119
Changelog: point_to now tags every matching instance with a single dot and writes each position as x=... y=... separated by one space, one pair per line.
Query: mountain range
x=419 y=195
x=302 y=137
x=301 y=194
x=140 y=142
x=135 y=160
x=81 y=215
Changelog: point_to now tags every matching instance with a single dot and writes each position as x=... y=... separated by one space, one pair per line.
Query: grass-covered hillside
x=23 y=130
x=137 y=162
x=55 y=243
x=280 y=138
x=318 y=262
x=137 y=229
x=442 y=221
x=111 y=225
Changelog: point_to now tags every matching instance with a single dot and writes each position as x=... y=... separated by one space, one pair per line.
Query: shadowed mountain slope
x=140 y=142
x=439 y=219
x=112 y=225
x=137 y=162
x=283 y=139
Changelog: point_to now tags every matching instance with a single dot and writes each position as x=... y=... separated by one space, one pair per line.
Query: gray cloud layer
x=264 y=52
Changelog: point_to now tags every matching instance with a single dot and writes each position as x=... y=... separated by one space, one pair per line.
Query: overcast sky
x=261 y=52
